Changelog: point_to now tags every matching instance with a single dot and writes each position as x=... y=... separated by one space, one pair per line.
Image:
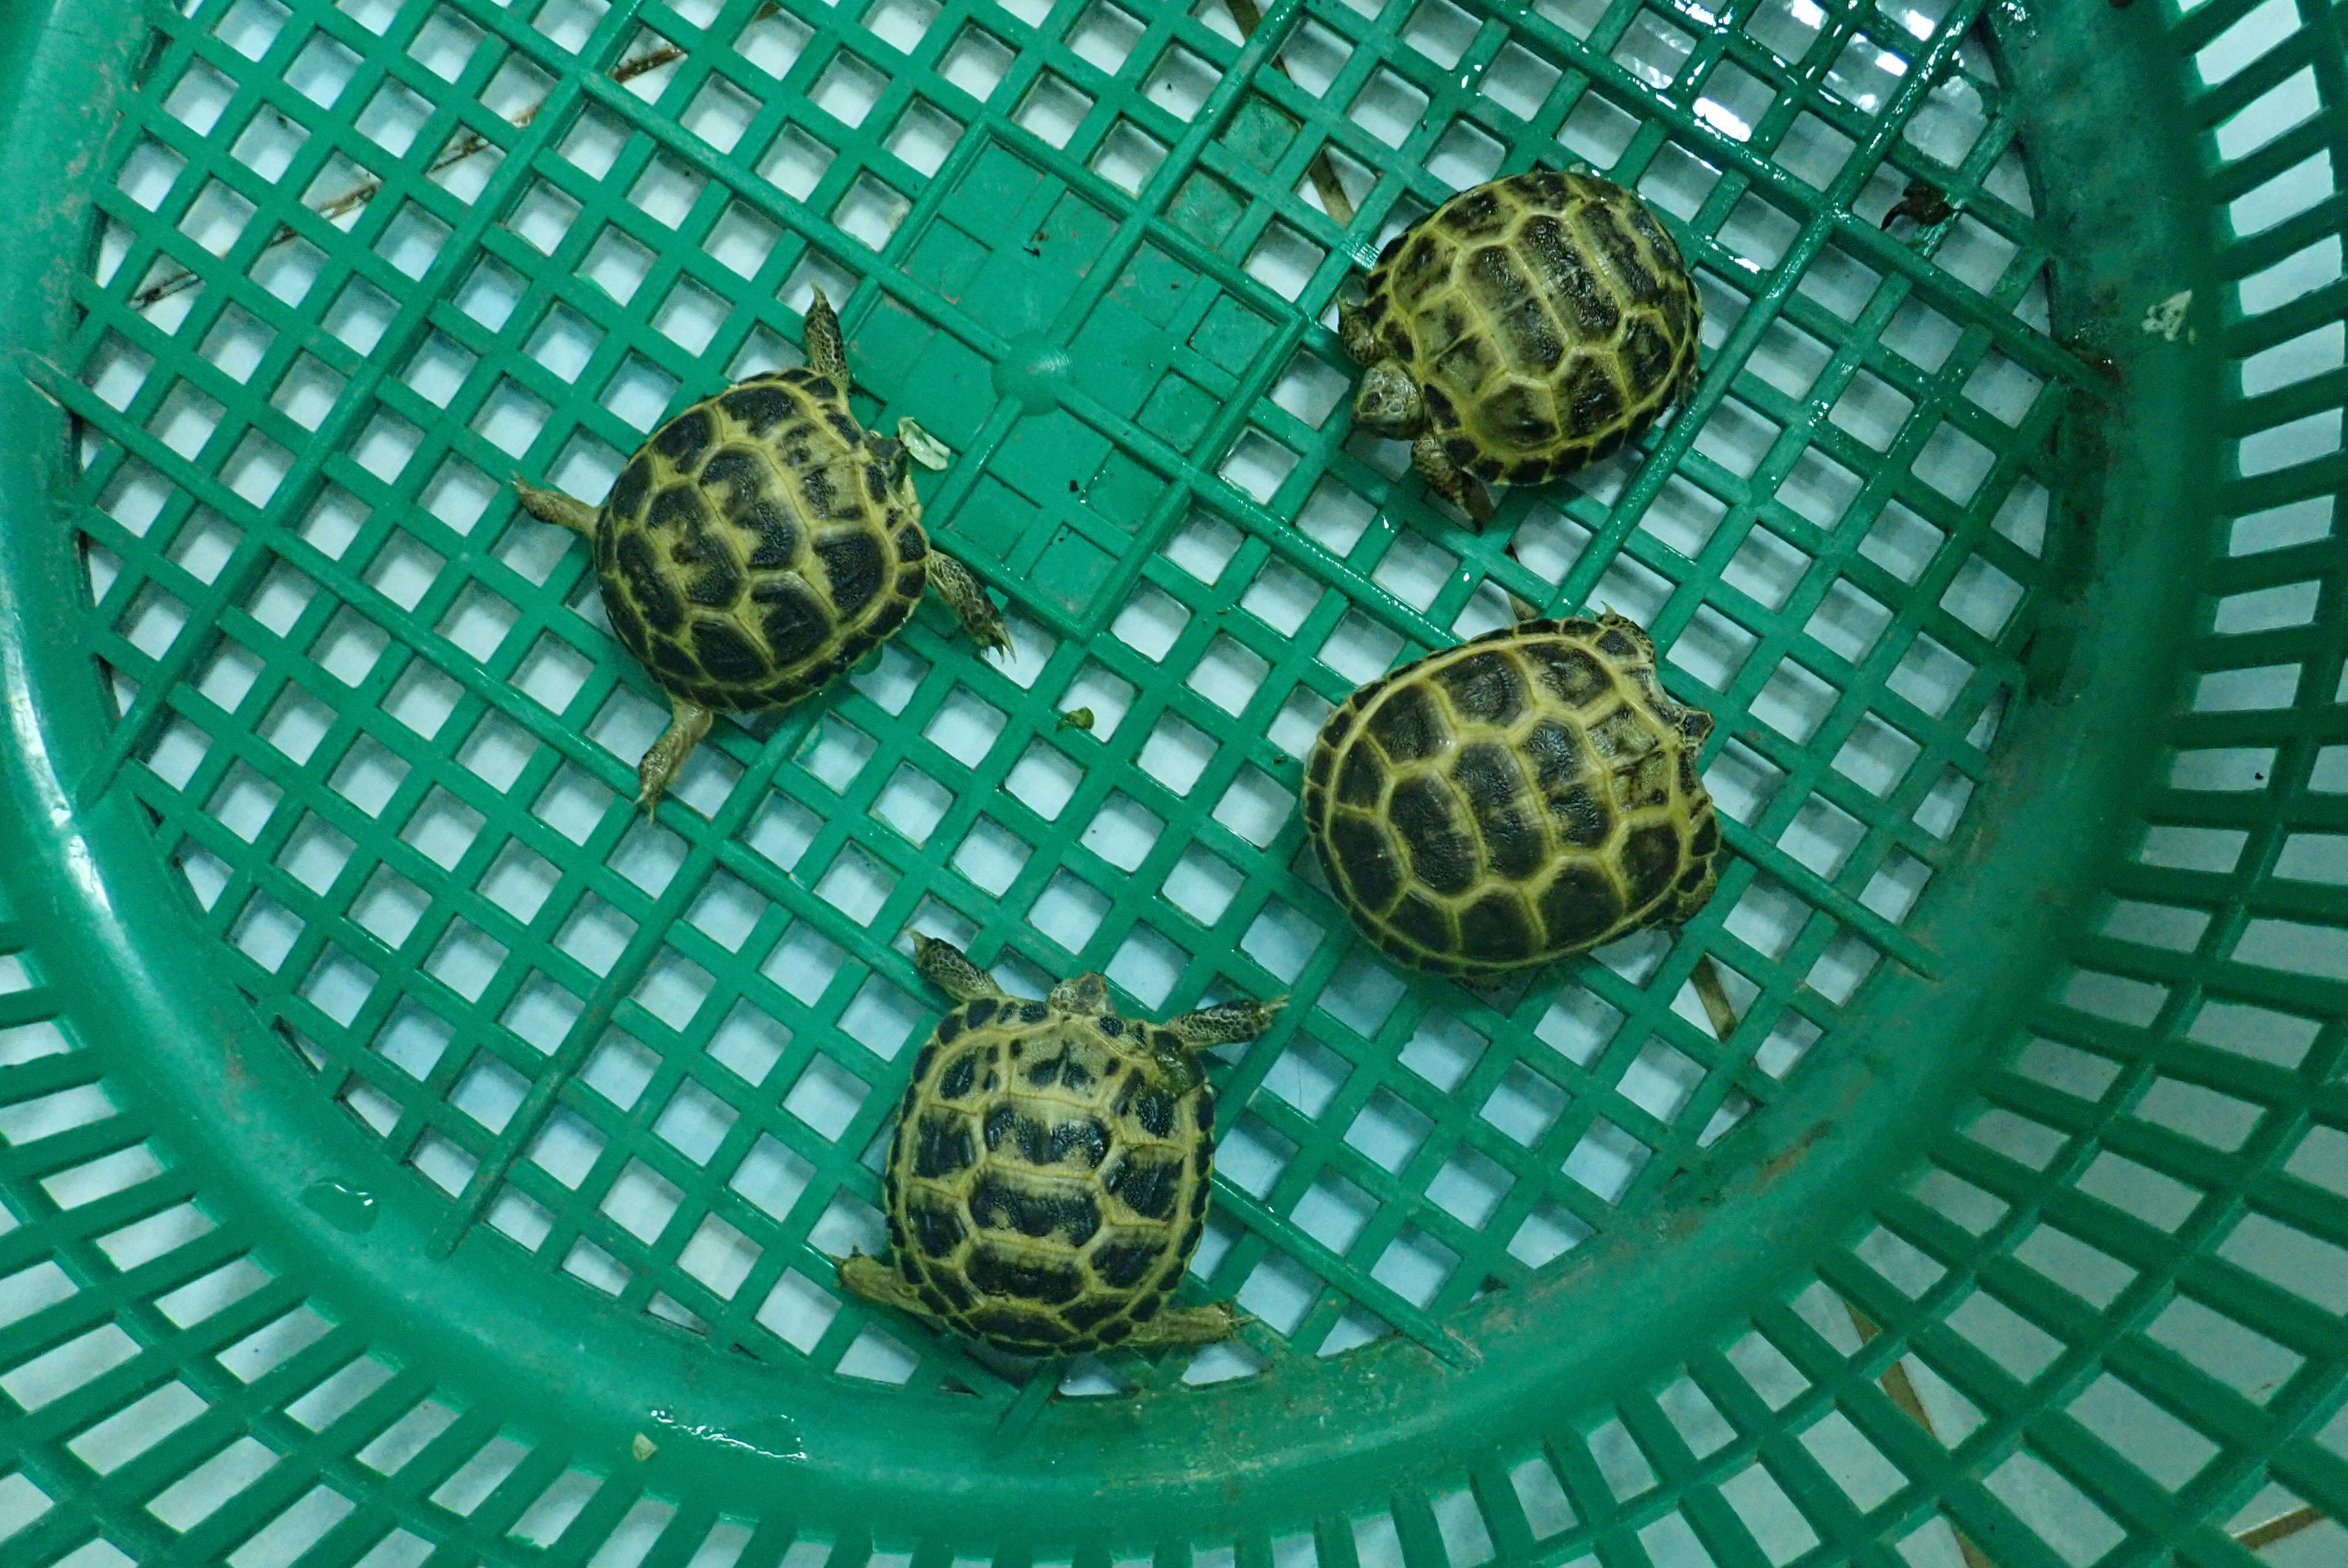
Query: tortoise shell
x=757 y=544
x=1523 y=796
x=1048 y=1179
x=1546 y=318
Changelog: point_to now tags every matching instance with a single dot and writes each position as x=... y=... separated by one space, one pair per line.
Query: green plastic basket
x=410 y=1155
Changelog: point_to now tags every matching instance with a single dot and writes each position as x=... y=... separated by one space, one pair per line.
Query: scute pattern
x=753 y=549
x=1049 y=1188
x=1519 y=798
x=1547 y=319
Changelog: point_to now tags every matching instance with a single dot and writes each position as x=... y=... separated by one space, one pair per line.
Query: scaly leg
x=1426 y=456
x=1224 y=1022
x=1187 y=1326
x=949 y=968
x=1354 y=332
x=554 y=507
x=1217 y=1025
x=689 y=722
x=827 y=352
x=876 y=1281
x=966 y=597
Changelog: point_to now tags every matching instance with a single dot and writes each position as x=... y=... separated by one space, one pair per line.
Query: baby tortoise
x=1524 y=796
x=761 y=543
x=1048 y=1179
x=1522 y=330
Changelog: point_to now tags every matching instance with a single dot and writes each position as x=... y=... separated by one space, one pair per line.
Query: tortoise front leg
x=826 y=350
x=966 y=597
x=1208 y=1027
x=1224 y=1022
x=949 y=968
x=1460 y=488
x=688 y=724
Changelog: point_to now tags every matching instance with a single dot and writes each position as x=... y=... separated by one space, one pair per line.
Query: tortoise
x=1524 y=796
x=762 y=542
x=1047 y=1181
x=1523 y=329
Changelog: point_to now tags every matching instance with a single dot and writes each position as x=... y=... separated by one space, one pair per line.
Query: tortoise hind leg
x=1187 y=1326
x=875 y=1281
x=826 y=350
x=688 y=724
x=966 y=597
x=554 y=507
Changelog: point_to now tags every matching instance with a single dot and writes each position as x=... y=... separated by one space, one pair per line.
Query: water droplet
x=772 y=1437
x=1031 y=373
x=345 y=1208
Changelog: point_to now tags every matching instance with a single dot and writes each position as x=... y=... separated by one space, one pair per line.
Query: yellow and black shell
x=756 y=547
x=1048 y=1180
x=1546 y=318
x=1523 y=796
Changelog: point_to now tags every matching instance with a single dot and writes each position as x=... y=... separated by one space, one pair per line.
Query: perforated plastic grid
x=383 y=723
x=354 y=686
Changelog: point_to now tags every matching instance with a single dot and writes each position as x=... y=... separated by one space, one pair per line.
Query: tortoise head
x=1389 y=403
x=1086 y=994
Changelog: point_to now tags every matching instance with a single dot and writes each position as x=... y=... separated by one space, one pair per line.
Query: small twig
x=1903 y=1391
x=1709 y=991
x=1334 y=200
x=2275 y=1529
x=471 y=144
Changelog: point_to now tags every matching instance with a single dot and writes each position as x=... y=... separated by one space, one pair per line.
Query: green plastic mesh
x=347 y=269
